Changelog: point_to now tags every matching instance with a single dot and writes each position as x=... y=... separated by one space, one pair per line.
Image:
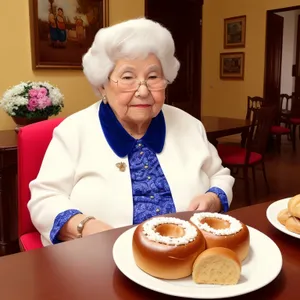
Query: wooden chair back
x=262 y=121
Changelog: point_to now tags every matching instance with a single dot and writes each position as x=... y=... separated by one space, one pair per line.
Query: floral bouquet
x=32 y=100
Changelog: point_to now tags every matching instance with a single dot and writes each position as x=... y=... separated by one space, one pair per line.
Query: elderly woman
x=128 y=157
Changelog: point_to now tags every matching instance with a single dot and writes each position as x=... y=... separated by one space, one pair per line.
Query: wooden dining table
x=217 y=127
x=85 y=269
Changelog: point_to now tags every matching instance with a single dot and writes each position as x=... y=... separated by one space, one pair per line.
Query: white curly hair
x=131 y=39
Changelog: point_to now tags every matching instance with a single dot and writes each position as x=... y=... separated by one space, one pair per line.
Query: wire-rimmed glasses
x=132 y=84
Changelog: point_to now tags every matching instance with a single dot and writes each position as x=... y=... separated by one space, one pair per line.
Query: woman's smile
x=141 y=105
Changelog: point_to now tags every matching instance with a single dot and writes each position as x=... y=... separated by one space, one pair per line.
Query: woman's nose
x=143 y=90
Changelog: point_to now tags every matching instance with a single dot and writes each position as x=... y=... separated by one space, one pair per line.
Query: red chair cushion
x=295 y=120
x=31 y=241
x=235 y=155
x=280 y=130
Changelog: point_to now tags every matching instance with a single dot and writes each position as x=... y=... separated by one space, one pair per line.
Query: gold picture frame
x=235 y=32
x=61 y=34
x=232 y=65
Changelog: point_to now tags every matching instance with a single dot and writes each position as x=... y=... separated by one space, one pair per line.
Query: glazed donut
x=223 y=231
x=167 y=247
x=294 y=206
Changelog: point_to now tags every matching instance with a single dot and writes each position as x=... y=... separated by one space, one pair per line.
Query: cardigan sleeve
x=218 y=175
x=51 y=189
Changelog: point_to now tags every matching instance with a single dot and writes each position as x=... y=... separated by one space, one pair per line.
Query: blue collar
x=121 y=141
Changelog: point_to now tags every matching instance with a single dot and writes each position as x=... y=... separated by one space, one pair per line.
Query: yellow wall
x=221 y=98
x=15 y=55
x=228 y=98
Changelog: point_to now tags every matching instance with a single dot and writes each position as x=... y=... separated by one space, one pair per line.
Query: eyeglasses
x=132 y=84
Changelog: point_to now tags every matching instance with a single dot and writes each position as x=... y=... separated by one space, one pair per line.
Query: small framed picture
x=235 y=32
x=63 y=30
x=232 y=65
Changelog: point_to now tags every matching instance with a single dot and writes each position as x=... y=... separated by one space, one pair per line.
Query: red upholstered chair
x=294 y=116
x=236 y=157
x=283 y=117
x=33 y=141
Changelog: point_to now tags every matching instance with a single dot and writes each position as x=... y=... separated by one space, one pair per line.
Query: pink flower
x=33 y=93
x=48 y=102
x=44 y=102
x=42 y=92
x=32 y=104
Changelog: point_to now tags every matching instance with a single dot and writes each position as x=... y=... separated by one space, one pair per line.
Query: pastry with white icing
x=221 y=230
x=167 y=247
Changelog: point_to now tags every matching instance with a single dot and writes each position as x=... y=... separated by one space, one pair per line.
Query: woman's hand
x=208 y=202
x=94 y=226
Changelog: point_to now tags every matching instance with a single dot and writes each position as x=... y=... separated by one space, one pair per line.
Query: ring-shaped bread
x=221 y=230
x=166 y=247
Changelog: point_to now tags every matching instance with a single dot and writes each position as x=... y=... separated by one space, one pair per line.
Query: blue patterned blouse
x=150 y=189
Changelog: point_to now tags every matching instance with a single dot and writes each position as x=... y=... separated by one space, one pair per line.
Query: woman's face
x=138 y=105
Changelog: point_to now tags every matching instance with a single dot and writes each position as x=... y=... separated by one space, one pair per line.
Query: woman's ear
x=103 y=94
x=102 y=90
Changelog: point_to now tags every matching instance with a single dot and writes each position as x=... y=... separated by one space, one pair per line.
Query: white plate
x=261 y=267
x=272 y=212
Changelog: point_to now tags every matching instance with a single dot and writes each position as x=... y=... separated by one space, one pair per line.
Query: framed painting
x=235 y=32
x=232 y=65
x=63 y=30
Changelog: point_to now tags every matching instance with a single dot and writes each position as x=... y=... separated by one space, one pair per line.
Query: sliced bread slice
x=217 y=265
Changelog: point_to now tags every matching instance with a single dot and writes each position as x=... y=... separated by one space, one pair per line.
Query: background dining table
x=85 y=269
x=217 y=127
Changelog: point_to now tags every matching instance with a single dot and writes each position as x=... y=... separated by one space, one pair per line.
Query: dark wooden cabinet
x=8 y=193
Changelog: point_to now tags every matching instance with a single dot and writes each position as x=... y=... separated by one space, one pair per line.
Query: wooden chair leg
x=278 y=142
x=246 y=183
x=244 y=137
x=254 y=181
x=293 y=134
x=265 y=176
x=289 y=137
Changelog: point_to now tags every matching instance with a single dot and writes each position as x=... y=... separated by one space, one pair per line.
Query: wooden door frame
x=272 y=11
x=199 y=106
x=146 y=5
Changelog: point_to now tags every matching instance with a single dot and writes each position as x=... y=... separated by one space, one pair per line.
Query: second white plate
x=272 y=213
